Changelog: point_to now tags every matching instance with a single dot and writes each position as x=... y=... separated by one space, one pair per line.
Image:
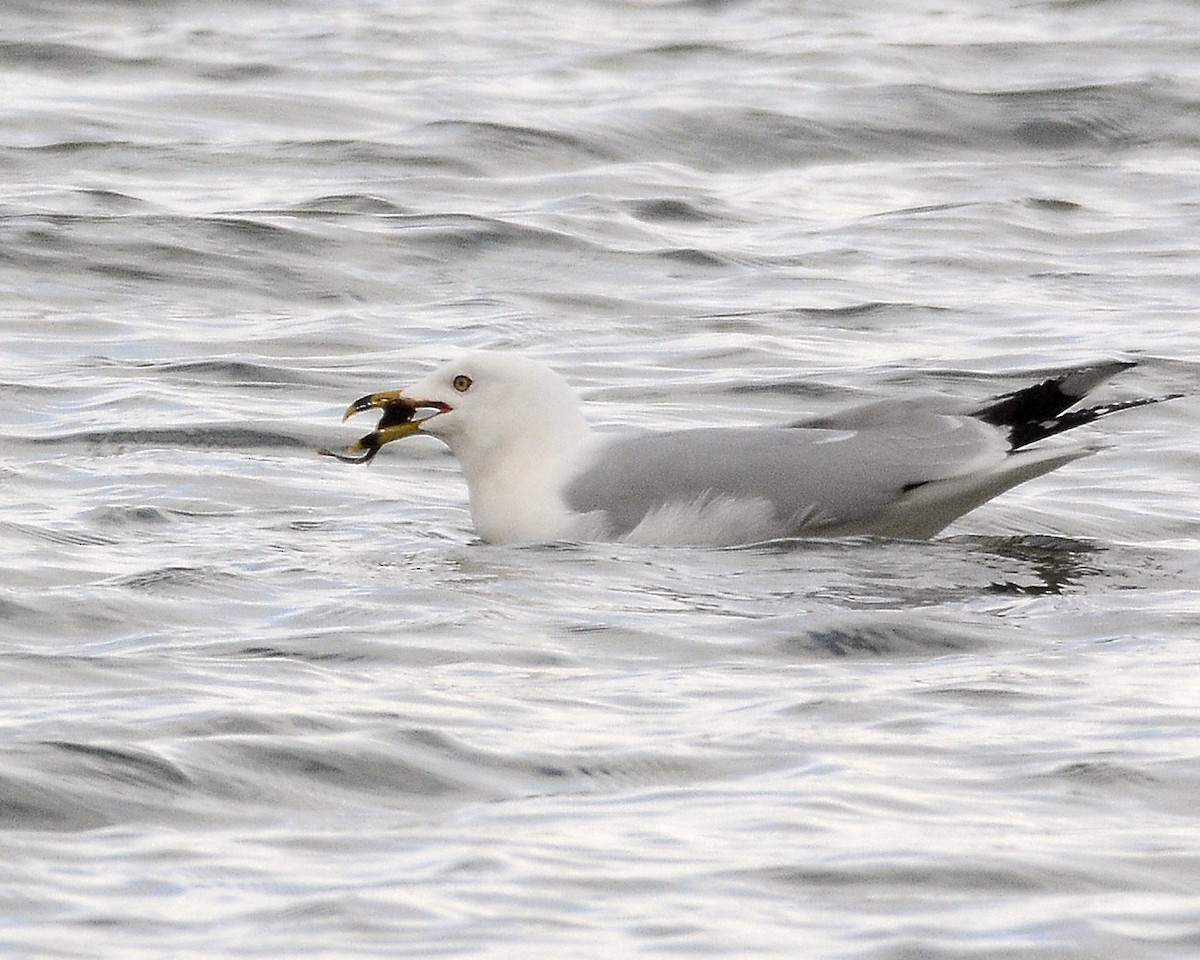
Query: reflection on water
x=1052 y=564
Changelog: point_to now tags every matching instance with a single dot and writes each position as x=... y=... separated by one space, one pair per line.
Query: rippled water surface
x=262 y=704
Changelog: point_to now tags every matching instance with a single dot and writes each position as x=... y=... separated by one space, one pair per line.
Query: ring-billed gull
x=536 y=473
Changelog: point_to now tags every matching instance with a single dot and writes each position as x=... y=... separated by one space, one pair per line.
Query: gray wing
x=842 y=472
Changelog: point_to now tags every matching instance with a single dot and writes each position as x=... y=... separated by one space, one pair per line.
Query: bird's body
x=536 y=473
x=727 y=486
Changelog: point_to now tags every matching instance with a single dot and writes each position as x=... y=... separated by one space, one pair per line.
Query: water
x=262 y=704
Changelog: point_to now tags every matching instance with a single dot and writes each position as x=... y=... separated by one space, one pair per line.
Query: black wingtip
x=1039 y=411
x=1024 y=434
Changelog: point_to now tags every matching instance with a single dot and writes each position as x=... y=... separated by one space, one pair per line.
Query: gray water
x=258 y=703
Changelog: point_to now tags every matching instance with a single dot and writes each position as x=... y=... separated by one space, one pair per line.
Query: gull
x=903 y=468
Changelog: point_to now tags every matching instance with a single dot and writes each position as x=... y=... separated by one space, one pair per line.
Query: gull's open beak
x=398 y=421
x=375 y=401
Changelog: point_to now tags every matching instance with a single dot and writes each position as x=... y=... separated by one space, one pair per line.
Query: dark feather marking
x=1034 y=413
x=1042 y=401
x=1023 y=434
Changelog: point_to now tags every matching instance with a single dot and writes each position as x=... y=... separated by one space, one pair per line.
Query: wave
x=219 y=436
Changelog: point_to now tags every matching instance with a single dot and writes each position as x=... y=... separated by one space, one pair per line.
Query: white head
x=491 y=409
x=514 y=426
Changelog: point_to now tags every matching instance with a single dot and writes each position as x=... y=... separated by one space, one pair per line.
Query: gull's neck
x=515 y=481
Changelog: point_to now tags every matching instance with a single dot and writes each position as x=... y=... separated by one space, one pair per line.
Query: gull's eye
x=461 y=383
